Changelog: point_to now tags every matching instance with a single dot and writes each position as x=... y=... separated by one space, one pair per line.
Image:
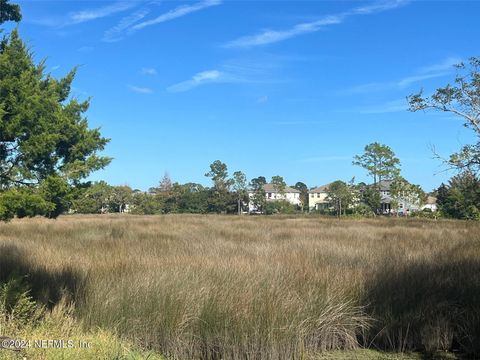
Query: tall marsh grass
x=221 y=287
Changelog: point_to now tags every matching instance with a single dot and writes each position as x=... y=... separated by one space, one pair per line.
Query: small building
x=272 y=194
x=318 y=198
x=430 y=204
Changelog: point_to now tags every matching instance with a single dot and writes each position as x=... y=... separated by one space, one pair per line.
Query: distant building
x=430 y=204
x=318 y=198
x=405 y=206
x=271 y=194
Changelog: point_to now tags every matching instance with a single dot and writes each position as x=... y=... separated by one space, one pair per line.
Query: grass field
x=225 y=287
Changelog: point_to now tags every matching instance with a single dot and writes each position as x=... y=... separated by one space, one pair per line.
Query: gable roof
x=384 y=185
x=431 y=200
x=271 y=188
x=320 y=189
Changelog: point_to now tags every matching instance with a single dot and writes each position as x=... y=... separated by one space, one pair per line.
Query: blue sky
x=287 y=88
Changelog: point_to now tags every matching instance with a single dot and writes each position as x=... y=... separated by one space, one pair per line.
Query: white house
x=271 y=194
x=430 y=204
x=317 y=198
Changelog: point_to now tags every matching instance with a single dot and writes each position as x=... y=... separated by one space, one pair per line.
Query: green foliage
x=57 y=192
x=220 y=200
x=42 y=133
x=23 y=202
x=120 y=197
x=279 y=207
x=460 y=199
x=9 y=12
x=92 y=198
x=258 y=199
x=16 y=304
x=402 y=191
x=46 y=146
x=191 y=198
x=145 y=204
x=300 y=186
x=239 y=185
x=427 y=214
x=24 y=318
x=178 y=198
x=50 y=199
x=380 y=162
x=279 y=184
x=364 y=210
x=340 y=196
x=370 y=196
x=219 y=174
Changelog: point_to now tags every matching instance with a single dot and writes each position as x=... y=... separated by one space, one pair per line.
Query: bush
x=23 y=202
x=16 y=304
x=364 y=210
x=23 y=318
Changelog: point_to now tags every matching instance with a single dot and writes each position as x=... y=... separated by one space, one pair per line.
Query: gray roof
x=271 y=188
x=319 y=189
x=384 y=185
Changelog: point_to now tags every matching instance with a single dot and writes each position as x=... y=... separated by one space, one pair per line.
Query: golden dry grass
x=225 y=287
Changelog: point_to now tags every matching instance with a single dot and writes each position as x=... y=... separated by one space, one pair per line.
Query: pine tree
x=44 y=136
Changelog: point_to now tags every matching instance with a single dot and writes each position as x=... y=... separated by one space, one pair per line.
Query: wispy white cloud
x=379 y=6
x=117 y=32
x=140 y=90
x=258 y=70
x=176 y=13
x=416 y=78
x=272 y=36
x=387 y=107
x=201 y=78
x=82 y=16
x=443 y=65
x=149 y=71
x=93 y=14
x=56 y=67
x=443 y=68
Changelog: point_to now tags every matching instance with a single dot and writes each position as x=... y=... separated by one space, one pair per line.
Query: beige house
x=317 y=198
x=271 y=194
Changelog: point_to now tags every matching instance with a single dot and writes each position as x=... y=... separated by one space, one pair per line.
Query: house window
x=318 y=195
x=312 y=195
x=269 y=195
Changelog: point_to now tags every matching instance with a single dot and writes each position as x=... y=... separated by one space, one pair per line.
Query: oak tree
x=462 y=98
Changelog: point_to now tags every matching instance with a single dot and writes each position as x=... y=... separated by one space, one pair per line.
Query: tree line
x=460 y=198
x=48 y=150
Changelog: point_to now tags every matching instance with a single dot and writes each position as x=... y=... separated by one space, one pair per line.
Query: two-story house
x=318 y=198
x=405 y=205
x=272 y=194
